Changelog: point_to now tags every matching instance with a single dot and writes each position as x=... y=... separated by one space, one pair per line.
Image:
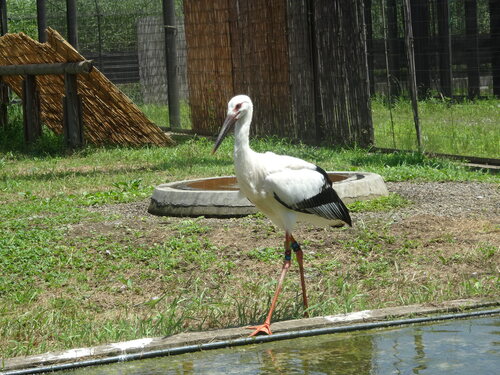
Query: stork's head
x=238 y=108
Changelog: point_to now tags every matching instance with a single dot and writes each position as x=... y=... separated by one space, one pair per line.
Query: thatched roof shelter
x=109 y=116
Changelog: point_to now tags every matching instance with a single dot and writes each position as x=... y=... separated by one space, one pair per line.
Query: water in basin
x=459 y=347
x=231 y=184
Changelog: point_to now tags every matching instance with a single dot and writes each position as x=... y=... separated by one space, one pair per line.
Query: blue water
x=459 y=347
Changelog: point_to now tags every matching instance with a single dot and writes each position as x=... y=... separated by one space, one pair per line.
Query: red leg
x=266 y=327
x=300 y=259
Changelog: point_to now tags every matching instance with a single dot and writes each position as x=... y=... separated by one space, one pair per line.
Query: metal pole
x=412 y=80
x=71 y=22
x=41 y=20
x=171 y=62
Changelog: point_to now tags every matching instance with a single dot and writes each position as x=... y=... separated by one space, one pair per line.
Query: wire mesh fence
x=444 y=46
x=456 y=44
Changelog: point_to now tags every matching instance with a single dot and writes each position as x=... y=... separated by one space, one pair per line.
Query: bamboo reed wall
x=302 y=62
x=260 y=62
x=223 y=61
x=109 y=116
x=209 y=66
x=342 y=72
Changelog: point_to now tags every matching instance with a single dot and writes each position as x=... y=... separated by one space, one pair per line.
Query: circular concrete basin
x=221 y=197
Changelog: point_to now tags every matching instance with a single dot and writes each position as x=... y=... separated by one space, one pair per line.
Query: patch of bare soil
x=446 y=205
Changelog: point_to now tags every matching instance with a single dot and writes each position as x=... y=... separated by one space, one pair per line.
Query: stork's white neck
x=241 y=135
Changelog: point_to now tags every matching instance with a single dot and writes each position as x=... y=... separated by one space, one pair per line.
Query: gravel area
x=446 y=199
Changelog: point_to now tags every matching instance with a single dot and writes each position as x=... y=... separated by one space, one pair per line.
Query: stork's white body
x=262 y=177
x=284 y=188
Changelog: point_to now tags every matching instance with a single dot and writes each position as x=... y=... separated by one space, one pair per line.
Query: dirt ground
x=459 y=209
x=442 y=246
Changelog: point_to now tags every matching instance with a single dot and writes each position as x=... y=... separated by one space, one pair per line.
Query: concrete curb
x=176 y=199
x=230 y=334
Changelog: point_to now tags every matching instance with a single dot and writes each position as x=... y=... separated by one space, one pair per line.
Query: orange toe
x=263 y=328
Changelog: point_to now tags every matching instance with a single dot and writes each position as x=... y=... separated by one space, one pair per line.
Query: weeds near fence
x=461 y=128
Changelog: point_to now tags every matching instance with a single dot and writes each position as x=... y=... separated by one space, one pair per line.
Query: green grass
x=73 y=276
x=159 y=114
x=465 y=128
x=390 y=202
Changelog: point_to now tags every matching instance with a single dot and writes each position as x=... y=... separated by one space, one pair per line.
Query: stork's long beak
x=228 y=124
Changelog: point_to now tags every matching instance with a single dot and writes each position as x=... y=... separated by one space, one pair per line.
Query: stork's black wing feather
x=326 y=203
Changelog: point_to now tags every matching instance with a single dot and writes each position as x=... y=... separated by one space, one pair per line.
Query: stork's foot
x=263 y=328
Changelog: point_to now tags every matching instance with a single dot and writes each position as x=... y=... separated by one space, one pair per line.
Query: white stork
x=284 y=188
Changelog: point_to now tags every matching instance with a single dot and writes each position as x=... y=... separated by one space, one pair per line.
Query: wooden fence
x=303 y=63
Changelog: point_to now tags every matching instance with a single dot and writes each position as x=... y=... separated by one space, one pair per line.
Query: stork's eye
x=238 y=107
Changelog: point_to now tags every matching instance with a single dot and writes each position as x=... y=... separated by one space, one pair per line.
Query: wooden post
x=41 y=20
x=471 y=30
x=4 y=102
x=73 y=123
x=4 y=90
x=445 y=72
x=412 y=81
x=31 y=110
x=72 y=23
x=84 y=66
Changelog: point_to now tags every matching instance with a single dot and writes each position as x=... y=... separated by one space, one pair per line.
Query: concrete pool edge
x=192 y=341
x=174 y=199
